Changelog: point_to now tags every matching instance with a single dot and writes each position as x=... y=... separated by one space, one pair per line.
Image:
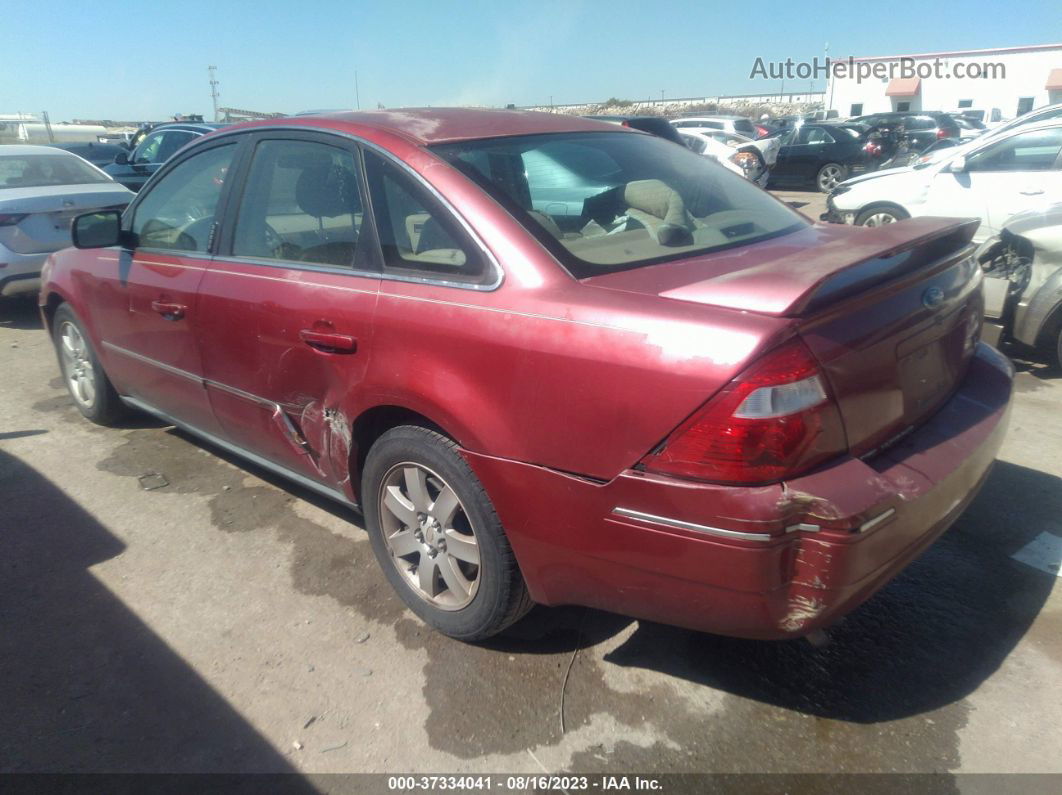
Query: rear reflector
x=774 y=421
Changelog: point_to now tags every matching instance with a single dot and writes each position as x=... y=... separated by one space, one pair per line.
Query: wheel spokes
x=404 y=543
x=417 y=487
x=398 y=504
x=445 y=506
x=462 y=547
x=458 y=584
x=426 y=573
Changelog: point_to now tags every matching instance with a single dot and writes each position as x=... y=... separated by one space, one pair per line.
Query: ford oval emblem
x=932 y=298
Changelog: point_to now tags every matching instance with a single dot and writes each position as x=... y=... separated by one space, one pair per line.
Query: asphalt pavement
x=166 y=607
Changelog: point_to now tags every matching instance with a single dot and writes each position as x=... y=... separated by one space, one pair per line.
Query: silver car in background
x=41 y=190
x=1023 y=280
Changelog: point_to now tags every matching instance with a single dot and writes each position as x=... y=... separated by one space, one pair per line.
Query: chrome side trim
x=191 y=376
x=870 y=524
x=257 y=460
x=627 y=513
x=153 y=362
x=803 y=528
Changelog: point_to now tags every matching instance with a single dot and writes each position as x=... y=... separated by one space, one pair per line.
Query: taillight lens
x=772 y=422
x=942 y=133
x=10 y=219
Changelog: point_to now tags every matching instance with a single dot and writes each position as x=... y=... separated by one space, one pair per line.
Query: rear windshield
x=34 y=171
x=611 y=201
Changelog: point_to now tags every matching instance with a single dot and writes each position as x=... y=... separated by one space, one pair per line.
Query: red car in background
x=552 y=360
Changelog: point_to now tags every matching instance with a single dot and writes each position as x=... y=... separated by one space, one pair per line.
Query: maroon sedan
x=553 y=361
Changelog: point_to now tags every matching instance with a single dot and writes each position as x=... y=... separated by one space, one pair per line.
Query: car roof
x=711 y=118
x=189 y=126
x=32 y=149
x=427 y=126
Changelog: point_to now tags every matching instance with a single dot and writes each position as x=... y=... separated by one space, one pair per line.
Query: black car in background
x=98 y=154
x=133 y=169
x=657 y=125
x=824 y=154
x=915 y=129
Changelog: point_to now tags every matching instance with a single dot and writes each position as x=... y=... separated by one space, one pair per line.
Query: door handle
x=168 y=310
x=1031 y=192
x=329 y=341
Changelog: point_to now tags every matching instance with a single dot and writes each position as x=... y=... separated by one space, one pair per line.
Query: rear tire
x=830 y=176
x=437 y=537
x=93 y=393
x=881 y=214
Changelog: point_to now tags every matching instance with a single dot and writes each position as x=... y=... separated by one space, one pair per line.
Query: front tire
x=881 y=214
x=93 y=393
x=437 y=537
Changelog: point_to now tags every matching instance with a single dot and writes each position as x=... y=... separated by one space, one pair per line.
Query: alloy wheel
x=829 y=177
x=880 y=219
x=430 y=536
x=77 y=365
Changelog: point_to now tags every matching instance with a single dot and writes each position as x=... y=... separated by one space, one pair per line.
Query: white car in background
x=732 y=124
x=41 y=190
x=747 y=160
x=768 y=147
x=992 y=179
x=1045 y=113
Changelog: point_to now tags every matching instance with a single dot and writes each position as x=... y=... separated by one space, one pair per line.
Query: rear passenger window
x=417 y=234
x=302 y=203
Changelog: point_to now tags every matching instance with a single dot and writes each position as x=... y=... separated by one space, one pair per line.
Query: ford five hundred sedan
x=553 y=361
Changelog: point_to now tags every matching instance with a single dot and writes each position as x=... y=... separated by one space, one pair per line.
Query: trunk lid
x=49 y=211
x=892 y=313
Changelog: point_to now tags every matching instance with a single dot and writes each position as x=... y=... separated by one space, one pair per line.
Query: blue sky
x=148 y=60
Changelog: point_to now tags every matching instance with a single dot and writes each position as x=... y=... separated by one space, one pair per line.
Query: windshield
x=34 y=171
x=605 y=202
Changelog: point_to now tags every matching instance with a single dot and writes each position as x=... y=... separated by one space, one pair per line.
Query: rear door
x=146 y=304
x=808 y=151
x=288 y=304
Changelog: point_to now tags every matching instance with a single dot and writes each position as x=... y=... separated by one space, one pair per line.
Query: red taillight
x=10 y=219
x=942 y=133
x=773 y=421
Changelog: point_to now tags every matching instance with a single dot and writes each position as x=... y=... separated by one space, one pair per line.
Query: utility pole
x=357 y=94
x=212 y=71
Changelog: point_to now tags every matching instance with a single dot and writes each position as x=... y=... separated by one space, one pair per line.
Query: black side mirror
x=97 y=230
x=122 y=158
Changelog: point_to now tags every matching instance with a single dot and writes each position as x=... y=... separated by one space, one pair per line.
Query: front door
x=1021 y=172
x=288 y=305
x=148 y=307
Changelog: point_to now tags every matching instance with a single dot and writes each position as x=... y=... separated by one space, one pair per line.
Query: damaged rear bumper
x=764 y=562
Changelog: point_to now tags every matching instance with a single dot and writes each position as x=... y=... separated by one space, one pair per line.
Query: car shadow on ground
x=88 y=687
x=20 y=312
x=928 y=639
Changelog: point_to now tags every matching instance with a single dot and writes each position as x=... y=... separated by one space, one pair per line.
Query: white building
x=1013 y=80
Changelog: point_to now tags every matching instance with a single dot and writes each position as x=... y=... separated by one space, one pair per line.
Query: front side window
x=1036 y=150
x=35 y=171
x=417 y=234
x=148 y=150
x=609 y=201
x=302 y=203
x=178 y=211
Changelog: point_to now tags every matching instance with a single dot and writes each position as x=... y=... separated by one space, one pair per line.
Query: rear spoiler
x=804 y=281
